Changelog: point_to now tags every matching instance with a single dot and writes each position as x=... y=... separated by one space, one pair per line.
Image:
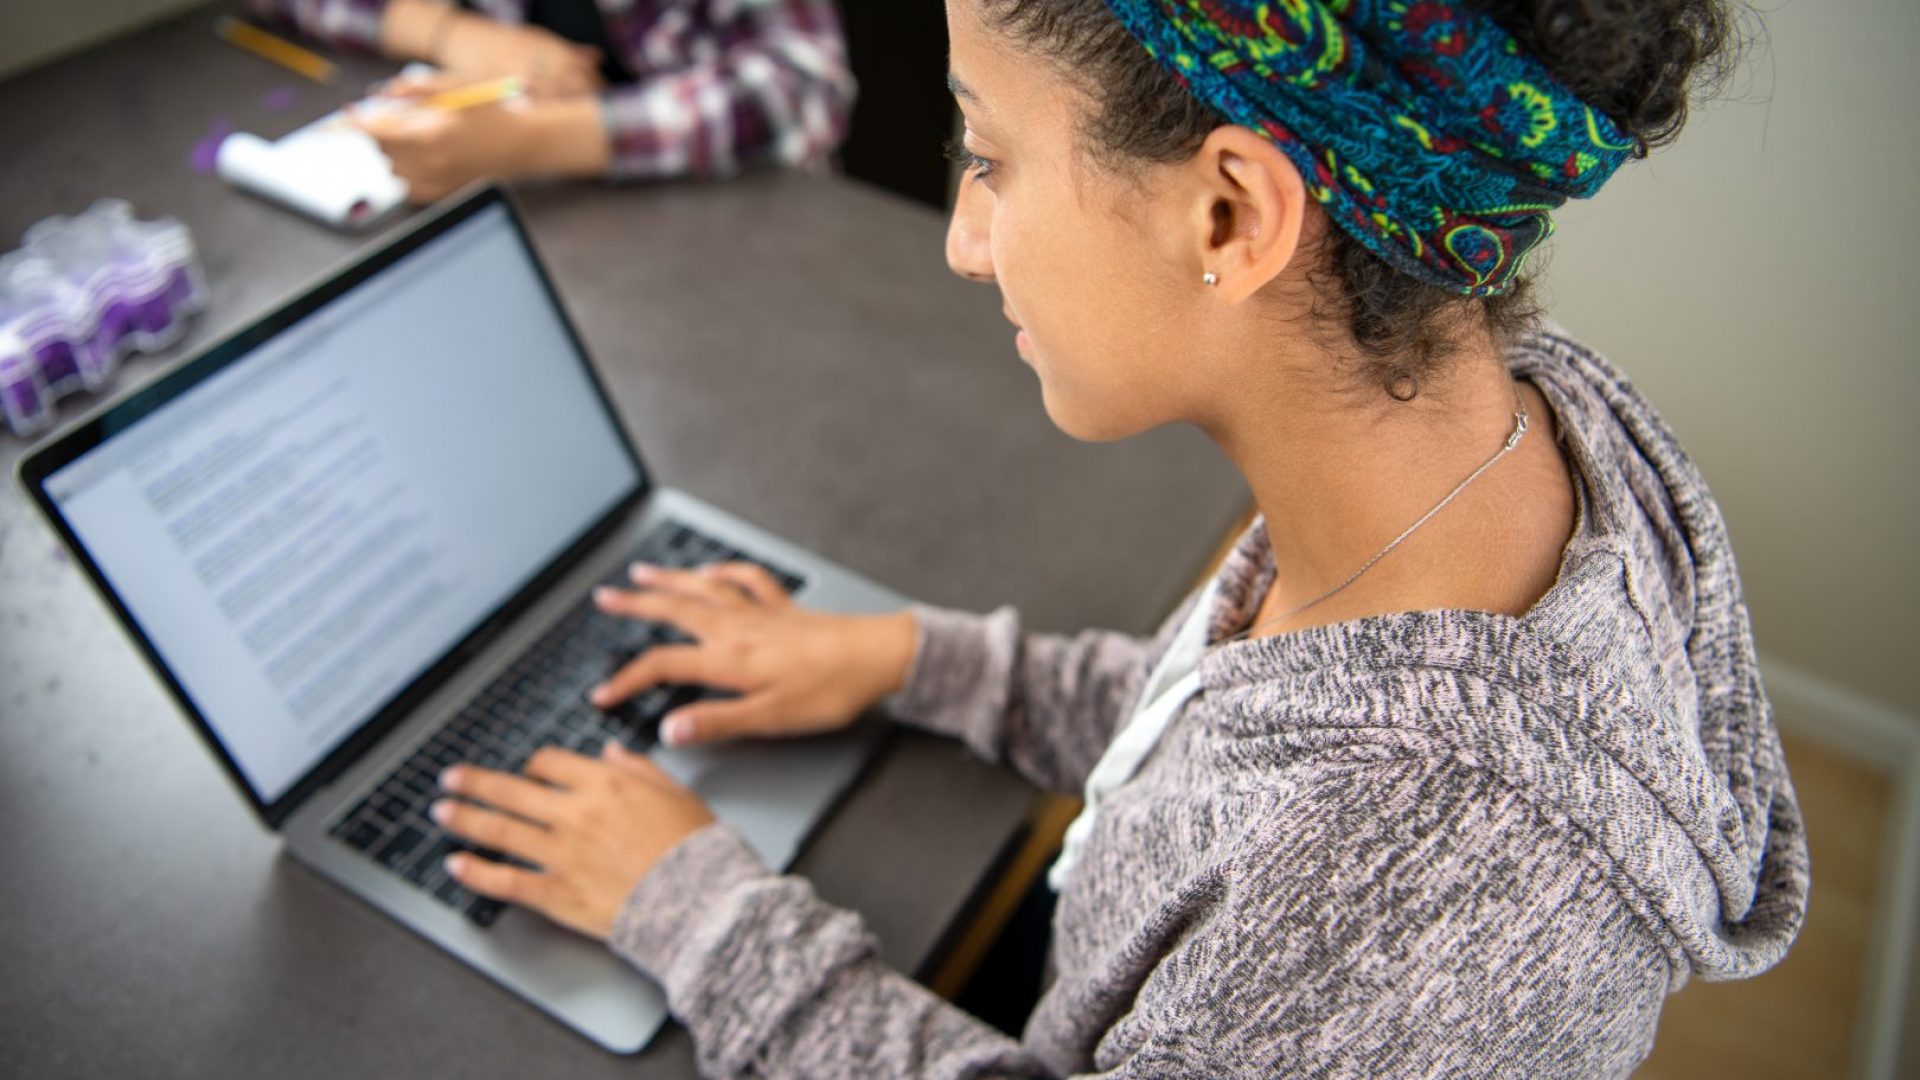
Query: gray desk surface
x=791 y=348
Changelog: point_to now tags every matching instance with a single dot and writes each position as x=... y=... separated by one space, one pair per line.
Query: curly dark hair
x=1637 y=61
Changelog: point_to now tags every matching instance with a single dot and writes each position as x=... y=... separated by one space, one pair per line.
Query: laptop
x=356 y=540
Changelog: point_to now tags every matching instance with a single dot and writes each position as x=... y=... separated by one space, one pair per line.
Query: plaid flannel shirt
x=722 y=84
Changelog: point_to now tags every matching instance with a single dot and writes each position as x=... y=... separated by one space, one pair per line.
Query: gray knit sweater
x=1441 y=843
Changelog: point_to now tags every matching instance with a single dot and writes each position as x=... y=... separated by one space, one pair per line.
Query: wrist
x=417 y=29
x=892 y=642
x=563 y=137
x=439 y=46
x=666 y=924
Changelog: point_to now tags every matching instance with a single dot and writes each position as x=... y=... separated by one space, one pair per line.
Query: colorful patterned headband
x=1424 y=129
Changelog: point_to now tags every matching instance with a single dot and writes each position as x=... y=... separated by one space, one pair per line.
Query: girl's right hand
x=797 y=671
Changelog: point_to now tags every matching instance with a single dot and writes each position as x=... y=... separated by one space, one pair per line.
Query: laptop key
x=423 y=872
x=394 y=854
x=362 y=835
x=443 y=845
x=630 y=715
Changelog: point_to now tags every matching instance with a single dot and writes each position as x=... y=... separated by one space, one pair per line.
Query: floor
x=1796 y=1021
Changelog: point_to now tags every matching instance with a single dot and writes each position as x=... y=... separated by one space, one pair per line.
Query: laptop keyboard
x=539 y=700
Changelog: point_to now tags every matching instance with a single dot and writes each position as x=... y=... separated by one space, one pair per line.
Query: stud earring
x=1210 y=278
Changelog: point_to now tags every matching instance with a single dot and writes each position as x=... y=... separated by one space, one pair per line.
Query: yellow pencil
x=460 y=97
x=480 y=93
x=268 y=47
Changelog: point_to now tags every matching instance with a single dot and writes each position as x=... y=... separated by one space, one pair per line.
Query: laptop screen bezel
x=114 y=417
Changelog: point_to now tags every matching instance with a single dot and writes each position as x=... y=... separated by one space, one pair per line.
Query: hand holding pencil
x=441 y=131
x=447 y=131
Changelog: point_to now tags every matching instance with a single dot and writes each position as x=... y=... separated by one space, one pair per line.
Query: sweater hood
x=1626 y=705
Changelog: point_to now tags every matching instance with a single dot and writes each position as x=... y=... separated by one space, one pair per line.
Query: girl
x=1458 y=766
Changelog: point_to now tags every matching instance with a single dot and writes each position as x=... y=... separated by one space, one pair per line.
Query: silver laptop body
x=772 y=792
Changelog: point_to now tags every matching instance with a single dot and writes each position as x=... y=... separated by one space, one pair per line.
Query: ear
x=1249 y=207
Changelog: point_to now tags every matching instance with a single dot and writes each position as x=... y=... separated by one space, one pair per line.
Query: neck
x=1339 y=472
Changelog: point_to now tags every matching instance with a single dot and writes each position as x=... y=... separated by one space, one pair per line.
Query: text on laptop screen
x=306 y=531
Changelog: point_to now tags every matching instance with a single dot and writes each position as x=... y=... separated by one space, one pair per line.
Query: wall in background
x=34 y=32
x=1755 y=279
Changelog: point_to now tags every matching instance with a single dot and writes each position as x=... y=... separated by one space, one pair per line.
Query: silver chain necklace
x=1513 y=440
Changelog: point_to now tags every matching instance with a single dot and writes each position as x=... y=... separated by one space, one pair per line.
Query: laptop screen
x=305 y=532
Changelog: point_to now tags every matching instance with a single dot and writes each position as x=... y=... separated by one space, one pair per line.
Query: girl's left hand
x=592 y=828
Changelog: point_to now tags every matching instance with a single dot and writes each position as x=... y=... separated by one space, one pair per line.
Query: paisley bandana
x=1421 y=126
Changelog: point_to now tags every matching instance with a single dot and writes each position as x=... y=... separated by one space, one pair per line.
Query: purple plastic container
x=84 y=291
x=23 y=394
x=186 y=286
x=59 y=362
x=113 y=331
x=153 y=312
x=40 y=322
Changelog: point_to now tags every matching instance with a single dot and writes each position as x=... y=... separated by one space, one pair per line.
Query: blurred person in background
x=633 y=89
